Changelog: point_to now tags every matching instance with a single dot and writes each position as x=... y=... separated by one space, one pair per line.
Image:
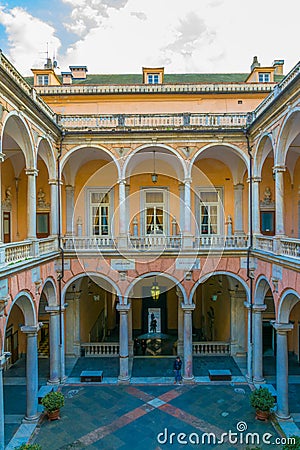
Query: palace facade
x=126 y=197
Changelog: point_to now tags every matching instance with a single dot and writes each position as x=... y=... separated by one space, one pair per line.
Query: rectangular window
x=155 y=212
x=211 y=212
x=263 y=77
x=43 y=80
x=99 y=213
x=153 y=78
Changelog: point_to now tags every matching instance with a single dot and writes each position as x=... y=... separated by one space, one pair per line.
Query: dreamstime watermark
x=241 y=436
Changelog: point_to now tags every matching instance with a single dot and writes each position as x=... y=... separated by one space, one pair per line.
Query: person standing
x=177 y=370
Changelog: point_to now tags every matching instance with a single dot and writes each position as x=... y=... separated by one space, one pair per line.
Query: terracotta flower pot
x=53 y=415
x=262 y=415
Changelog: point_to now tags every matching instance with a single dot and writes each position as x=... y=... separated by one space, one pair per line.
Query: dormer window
x=43 y=80
x=153 y=78
x=264 y=77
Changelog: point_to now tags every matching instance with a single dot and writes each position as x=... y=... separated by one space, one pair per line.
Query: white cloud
x=27 y=38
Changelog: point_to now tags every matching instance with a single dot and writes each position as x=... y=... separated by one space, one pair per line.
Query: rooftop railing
x=152 y=121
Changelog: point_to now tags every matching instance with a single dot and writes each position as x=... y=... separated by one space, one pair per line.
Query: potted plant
x=263 y=401
x=52 y=402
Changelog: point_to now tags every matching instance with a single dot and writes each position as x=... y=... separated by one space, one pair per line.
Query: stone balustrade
x=211 y=348
x=97 y=349
x=264 y=243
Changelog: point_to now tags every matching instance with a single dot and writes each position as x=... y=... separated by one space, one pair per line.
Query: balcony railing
x=221 y=242
x=211 y=348
x=100 y=349
x=88 y=243
x=264 y=243
x=153 y=242
x=290 y=247
x=170 y=121
x=16 y=252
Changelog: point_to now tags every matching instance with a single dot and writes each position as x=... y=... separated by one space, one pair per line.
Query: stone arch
x=288 y=131
x=156 y=145
x=263 y=148
x=287 y=301
x=219 y=272
x=261 y=288
x=161 y=274
x=93 y=275
x=45 y=151
x=25 y=302
x=23 y=137
x=67 y=156
x=235 y=149
x=50 y=291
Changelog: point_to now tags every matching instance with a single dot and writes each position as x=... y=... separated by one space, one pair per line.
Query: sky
x=122 y=36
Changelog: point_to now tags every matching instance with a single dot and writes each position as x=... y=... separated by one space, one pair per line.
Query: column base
x=31 y=419
x=53 y=382
x=280 y=416
x=63 y=379
x=188 y=380
x=258 y=380
x=124 y=380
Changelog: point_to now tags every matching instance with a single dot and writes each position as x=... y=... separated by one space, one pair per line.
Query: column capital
x=188 y=308
x=238 y=187
x=52 y=309
x=259 y=308
x=282 y=328
x=2 y=157
x=31 y=329
x=3 y=358
x=32 y=172
x=53 y=181
x=69 y=187
x=187 y=181
x=256 y=179
x=279 y=168
x=121 y=181
x=123 y=309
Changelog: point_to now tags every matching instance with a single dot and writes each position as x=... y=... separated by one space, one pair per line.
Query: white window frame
x=153 y=78
x=144 y=206
x=264 y=77
x=89 y=205
x=220 y=209
x=43 y=80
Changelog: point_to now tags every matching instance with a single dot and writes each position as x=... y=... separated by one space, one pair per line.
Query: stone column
x=124 y=356
x=69 y=209
x=180 y=323
x=238 y=209
x=282 y=370
x=258 y=343
x=31 y=202
x=279 y=200
x=187 y=342
x=122 y=214
x=54 y=202
x=77 y=323
x=130 y=340
x=188 y=242
x=2 y=156
x=32 y=414
x=237 y=323
x=54 y=344
x=2 y=440
x=62 y=371
x=249 y=342
x=255 y=205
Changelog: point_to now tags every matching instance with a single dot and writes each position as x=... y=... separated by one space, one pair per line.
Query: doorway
x=6 y=227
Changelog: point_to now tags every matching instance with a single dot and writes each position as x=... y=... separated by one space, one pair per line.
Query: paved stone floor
x=131 y=417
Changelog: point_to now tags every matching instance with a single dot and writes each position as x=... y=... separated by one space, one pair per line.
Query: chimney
x=78 y=72
x=67 y=77
x=255 y=63
x=278 y=66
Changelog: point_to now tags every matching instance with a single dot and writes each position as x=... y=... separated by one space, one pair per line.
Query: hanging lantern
x=155 y=291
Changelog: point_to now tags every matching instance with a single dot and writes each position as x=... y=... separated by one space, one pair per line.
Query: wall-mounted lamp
x=214 y=297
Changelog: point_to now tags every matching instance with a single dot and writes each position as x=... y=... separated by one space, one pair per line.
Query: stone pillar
x=31 y=202
x=62 y=371
x=187 y=239
x=130 y=340
x=54 y=344
x=249 y=342
x=2 y=156
x=258 y=343
x=124 y=356
x=279 y=200
x=282 y=370
x=31 y=372
x=237 y=323
x=54 y=202
x=238 y=209
x=180 y=323
x=2 y=440
x=77 y=323
x=69 y=209
x=255 y=205
x=187 y=342
x=122 y=214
